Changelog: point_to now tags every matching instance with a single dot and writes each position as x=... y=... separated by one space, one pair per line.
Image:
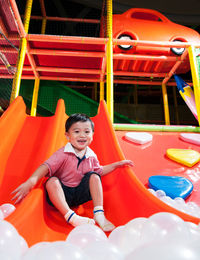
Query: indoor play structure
x=27 y=140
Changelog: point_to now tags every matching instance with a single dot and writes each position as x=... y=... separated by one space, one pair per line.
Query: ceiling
x=181 y=11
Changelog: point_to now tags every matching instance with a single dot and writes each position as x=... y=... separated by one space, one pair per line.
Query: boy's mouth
x=81 y=141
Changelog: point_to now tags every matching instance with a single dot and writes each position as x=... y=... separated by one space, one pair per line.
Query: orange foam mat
x=151 y=159
x=27 y=141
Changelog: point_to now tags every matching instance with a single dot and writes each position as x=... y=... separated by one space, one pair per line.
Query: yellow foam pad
x=186 y=157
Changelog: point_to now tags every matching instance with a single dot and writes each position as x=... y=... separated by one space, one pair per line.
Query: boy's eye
x=87 y=132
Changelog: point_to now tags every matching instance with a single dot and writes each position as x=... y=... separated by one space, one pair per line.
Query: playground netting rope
x=9 y=53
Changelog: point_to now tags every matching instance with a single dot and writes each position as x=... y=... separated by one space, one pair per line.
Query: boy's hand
x=21 y=192
x=111 y=167
x=125 y=163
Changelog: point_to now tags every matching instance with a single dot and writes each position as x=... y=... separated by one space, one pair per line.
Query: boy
x=74 y=175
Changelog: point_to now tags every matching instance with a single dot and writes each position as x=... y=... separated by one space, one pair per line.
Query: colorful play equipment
x=74 y=100
x=187 y=94
x=151 y=160
x=190 y=138
x=139 y=137
x=186 y=157
x=27 y=140
x=173 y=186
x=33 y=139
x=84 y=59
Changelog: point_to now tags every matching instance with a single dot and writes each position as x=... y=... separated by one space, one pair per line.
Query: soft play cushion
x=139 y=137
x=190 y=138
x=173 y=186
x=186 y=157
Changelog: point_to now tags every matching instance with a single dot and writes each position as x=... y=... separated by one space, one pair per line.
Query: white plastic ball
x=159 y=251
x=164 y=226
x=7 y=209
x=103 y=250
x=60 y=250
x=160 y=193
x=88 y=228
x=9 y=239
x=82 y=239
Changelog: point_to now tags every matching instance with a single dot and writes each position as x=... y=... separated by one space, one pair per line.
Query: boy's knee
x=94 y=177
x=52 y=182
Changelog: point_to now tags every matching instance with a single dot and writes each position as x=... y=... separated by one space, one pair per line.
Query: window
x=145 y=16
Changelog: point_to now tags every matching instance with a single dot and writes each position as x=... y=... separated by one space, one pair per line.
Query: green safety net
x=49 y=94
x=197 y=54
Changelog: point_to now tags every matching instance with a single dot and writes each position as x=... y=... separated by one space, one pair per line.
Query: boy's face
x=80 y=135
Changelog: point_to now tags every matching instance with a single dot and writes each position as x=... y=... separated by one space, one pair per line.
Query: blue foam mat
x=174 y=186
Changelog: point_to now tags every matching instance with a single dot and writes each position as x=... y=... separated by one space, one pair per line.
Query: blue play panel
x=173 y=186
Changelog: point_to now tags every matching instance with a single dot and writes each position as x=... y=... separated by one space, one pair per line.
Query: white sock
x=101 y=220
x=76 y=220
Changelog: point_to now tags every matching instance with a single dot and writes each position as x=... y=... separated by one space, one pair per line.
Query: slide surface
x=27 y=141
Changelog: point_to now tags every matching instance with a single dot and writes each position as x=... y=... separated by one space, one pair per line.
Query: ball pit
x=190 y=207
x=161 y=236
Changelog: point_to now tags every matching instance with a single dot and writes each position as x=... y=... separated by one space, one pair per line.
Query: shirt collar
x=70 y=149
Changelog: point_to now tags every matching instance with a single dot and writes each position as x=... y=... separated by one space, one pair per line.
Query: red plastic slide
x=27 y=141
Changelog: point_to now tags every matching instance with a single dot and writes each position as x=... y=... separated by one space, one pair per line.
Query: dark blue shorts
x=76 y=196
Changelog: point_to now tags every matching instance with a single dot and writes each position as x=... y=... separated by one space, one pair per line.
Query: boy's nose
x=82 y=134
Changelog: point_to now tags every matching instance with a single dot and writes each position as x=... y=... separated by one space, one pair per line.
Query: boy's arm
x=111 y=167
x=21 y=191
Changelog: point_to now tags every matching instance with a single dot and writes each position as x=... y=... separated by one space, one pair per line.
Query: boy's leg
x=57 y=197
x=96 y=192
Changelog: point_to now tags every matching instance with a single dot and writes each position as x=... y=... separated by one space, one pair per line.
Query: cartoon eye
x=125 y=37
x=178 y=51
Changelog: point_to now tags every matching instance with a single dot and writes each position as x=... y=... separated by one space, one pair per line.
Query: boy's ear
x=67 y=135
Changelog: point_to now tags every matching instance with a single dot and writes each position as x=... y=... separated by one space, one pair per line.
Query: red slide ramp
x=27 y=141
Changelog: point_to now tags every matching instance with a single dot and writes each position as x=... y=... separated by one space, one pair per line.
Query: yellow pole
x=95 y=91
x=22 y=53
x=17 y=77
x=37 y=80
x=101 y=90
x=44 y=24
x=35 y=97
x=109 y=89
x=135 y=97
x=27 y=15
x=195 y=78
x=165 y=104
x=176 y=105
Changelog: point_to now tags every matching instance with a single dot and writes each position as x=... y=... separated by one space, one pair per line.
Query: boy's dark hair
x=78 y=117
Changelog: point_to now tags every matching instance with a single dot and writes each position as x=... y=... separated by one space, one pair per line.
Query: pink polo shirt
x=63 y=164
